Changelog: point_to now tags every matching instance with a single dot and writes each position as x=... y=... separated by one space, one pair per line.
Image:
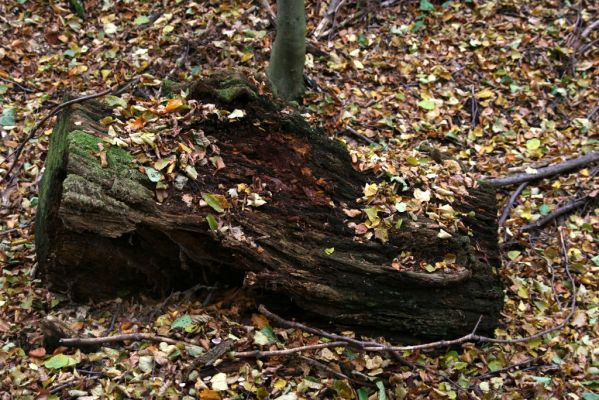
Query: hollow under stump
x=100 y=229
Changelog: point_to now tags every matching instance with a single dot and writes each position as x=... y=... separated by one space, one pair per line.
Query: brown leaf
x=259 y=321
x=37 y=353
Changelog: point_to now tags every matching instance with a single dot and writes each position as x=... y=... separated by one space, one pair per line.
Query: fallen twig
x=33 y=131
x=210 y=356
x=587 y=31
x=136 y=337
x=471 y=337
x=571 y=206
x=17 y=85
x=327 y=20
x=360 y=136
x=534 y=363
x=285 y=352
x=360 y=344
x=71 y=382
x=16 y=154
x=272 y=17
x=546 y=172
x=508 y=207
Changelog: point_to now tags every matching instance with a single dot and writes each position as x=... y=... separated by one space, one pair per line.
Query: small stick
x=589 y=29
x=33 y=131
x=18 y=85
x=571 y=206
x=285 y=352
x=360 y=136
x=137 y=337
x=328 y=18
x=56 y=109
x=547 y=171
x=315 y=331
x=272 y=17
x=523 y=366
x=328 y=369
x=510 y=203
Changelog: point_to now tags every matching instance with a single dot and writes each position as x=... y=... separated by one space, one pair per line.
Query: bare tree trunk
x=286 y=69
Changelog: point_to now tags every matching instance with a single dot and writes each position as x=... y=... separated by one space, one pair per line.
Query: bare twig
x=17 y=85
x=285 y=352
x=525 y=365
x=33 y=131
x=117 y=91
x=508 y=207
x=210 y=356
x=319 y=332
x=590 y=29
x=327 y=20
x=328 y=369
x=571 y=206
x=136 y=337
x=547 y=171
x=360 y=136
x=471 y=337
x=272 y=17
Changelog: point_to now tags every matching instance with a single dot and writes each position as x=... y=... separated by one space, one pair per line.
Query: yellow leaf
x=246 y=57
x=280 y=384
x=485 y=94
x=172 y=105
x=370 y=189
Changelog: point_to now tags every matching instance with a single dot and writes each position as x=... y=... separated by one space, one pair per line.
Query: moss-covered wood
x=100 y=231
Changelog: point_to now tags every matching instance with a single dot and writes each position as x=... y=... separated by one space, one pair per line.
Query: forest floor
x=503 y=86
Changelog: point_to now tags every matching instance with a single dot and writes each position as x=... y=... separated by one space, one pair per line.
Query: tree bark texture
x=100 y=230
x=286 y=69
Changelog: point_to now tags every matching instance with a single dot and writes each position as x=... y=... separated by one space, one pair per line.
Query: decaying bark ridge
x=99 y=230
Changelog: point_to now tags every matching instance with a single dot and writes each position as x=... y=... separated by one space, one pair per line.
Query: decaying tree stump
x=101 y=230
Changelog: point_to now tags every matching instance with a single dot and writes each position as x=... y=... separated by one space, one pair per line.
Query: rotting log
x=100 y=230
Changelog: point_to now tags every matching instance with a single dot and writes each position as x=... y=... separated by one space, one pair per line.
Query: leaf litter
x=445 y=94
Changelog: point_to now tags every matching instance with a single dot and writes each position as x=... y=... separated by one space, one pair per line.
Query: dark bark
x=100 y=231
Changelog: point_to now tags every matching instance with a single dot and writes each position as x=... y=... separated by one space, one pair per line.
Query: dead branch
x=33 y=131
x=17 y=153
x=136 y=337
x=533 y=363
x=546 y=172
x=358 y=135
x=326 y=368
x=285 y=352
x=327 y=20
x=508 y=207
x=360 y=344
x=272 y=17
x=208 y=358
x=590 y=29
x=471 y=337
x=17 y=85
x=566 y=209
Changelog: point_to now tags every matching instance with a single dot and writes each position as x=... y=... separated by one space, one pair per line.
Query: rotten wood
x=100 y=230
